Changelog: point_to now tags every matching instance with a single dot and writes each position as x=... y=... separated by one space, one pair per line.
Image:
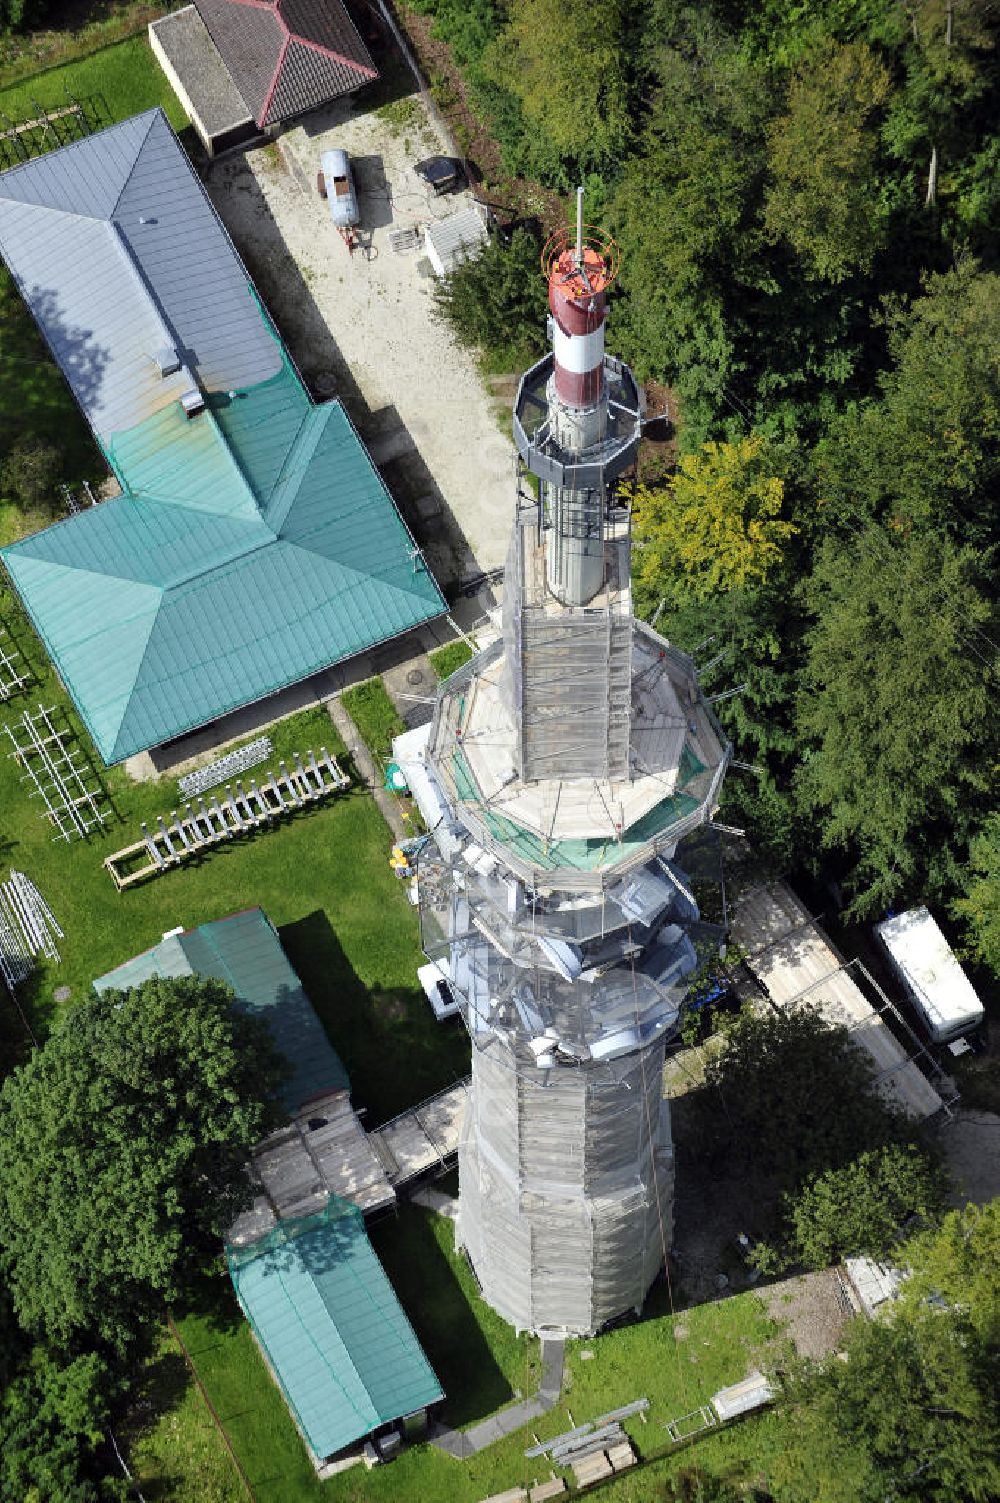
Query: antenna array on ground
x=11 y=677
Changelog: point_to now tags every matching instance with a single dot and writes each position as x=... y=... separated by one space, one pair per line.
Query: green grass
x=23 y=54
x=375 y=716
x=113 y=82
x=322 y=875
x=482 y=1365
x=447 y=659
x=170 y=1440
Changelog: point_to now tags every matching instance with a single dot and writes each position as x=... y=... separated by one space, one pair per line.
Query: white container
x=935 y=982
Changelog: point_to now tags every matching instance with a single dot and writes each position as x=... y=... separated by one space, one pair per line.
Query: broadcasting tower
x=563 y=765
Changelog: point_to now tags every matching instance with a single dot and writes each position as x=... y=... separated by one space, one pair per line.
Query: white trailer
x=935 y=982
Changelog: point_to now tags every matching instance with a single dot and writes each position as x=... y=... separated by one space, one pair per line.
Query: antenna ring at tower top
x=597 y=247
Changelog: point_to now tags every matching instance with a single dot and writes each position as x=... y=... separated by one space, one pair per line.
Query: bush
x=497 y=303
x=860 y=1208
x=29 y=473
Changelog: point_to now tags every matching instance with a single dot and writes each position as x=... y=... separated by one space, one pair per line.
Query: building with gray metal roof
x=254 y=543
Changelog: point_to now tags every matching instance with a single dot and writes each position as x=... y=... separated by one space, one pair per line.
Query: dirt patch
x=658 y=449
x=809 y=1308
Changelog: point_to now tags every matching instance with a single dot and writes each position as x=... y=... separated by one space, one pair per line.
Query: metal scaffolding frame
x=56 y=767
x=28 y=929
x=12 y=679
x=240 y=760
x=238 y=811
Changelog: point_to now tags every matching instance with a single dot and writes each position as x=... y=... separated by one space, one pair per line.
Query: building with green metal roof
x=253 y=543
x=334 y=1334
x=244 y=951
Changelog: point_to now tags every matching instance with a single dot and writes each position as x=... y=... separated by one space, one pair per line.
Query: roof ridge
x=312 y=426
x=80 y=143
x=337 y=57
x=155 y=113
x=379 y=1314
x=362 y=574
x=372 y=1411
x=138 y=671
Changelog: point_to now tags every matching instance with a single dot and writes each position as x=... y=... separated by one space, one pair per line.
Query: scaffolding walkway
x=797 y=967
x=423 y=1139
x=56 y=767
x=238 y=812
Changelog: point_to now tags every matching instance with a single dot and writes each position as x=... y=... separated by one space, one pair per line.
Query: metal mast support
x=569 y=757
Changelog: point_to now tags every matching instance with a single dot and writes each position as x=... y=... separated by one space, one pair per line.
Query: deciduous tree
x=715 y=526
x=861 y=1207
x=823 y=195
x=125 y=1140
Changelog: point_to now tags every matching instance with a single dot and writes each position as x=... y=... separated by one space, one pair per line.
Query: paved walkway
x=465 y=1443
x=362 y=759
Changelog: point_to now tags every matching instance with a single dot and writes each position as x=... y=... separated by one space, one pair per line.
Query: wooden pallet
x=237 y=811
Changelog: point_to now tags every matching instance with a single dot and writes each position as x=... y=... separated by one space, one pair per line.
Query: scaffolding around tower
x=563 y=765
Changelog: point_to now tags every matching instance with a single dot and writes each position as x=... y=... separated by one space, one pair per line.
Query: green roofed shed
x=331 y=1327
x=245 y=952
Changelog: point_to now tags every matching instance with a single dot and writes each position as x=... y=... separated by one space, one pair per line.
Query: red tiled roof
x=287 y=56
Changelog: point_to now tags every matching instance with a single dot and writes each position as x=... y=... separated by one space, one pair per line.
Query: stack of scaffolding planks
x=797 y=967
x=236 y=813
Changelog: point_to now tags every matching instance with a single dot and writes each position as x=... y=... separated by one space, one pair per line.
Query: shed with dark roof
x=278 y=58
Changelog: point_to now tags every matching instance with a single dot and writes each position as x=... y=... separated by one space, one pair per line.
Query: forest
x=806 y=198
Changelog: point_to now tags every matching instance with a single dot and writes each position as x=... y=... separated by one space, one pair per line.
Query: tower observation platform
x=564 y=764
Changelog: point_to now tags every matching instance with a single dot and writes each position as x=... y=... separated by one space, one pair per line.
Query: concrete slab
x=364 y=325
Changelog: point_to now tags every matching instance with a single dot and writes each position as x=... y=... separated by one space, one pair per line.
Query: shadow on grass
x=395 y=1053
x=439 y=1308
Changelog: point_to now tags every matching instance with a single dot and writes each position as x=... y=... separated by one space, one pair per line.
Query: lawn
x=322 y=876
x=448 y=659
x=375 y=716
x=675 y=1362
x=111 y=83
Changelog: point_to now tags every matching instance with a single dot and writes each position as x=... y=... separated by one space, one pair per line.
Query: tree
x=860 y=1207
x=686 y=215
x=125 y=1143
x=925 y=454
x=791 y=1095
x=715 y=526
x=823 y=196
x=496 y=302
x=911 y=1414
x=29 y=473
x=897 y=711
x=980 y=906
x=53 y=1419
x=567 y=63
x=959 y=1263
